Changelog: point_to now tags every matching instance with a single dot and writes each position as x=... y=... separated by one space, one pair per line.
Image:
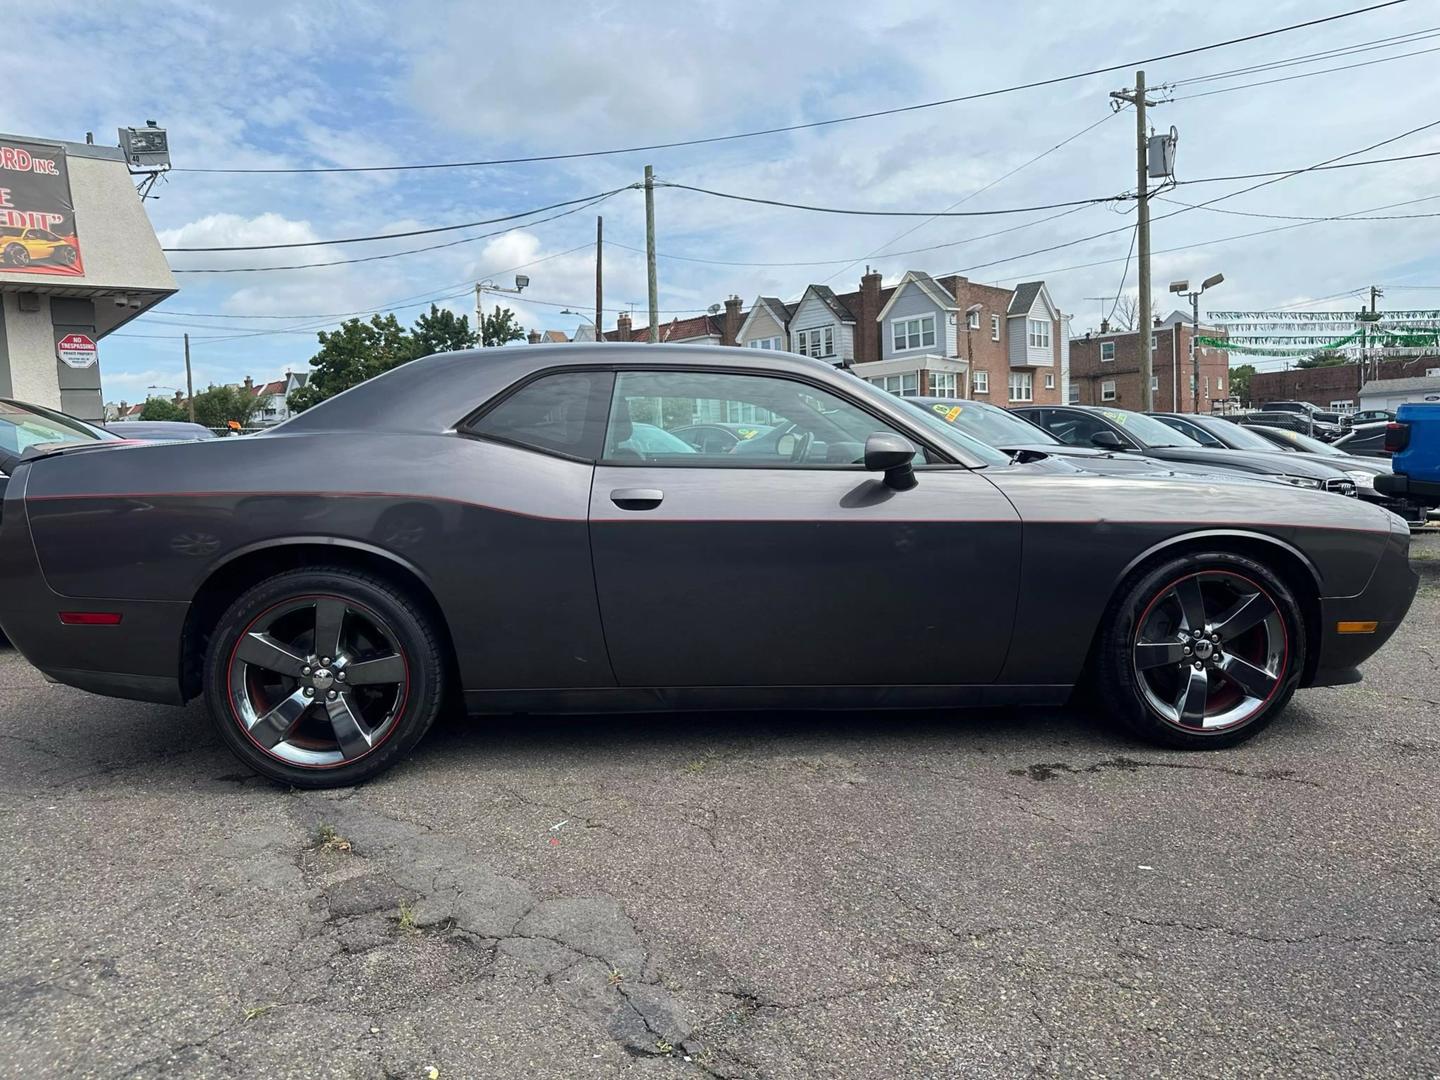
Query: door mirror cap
x=1107 y=440
x=893 y=455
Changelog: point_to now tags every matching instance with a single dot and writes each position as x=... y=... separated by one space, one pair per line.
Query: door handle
x=637 y=498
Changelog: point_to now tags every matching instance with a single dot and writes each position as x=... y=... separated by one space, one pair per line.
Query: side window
x=1075 y=428
x=776 y=421
x=562 y=413
x=1200 y=435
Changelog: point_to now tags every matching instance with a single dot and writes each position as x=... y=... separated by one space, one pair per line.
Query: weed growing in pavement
x=698 y=765
x=616 y=978
x=327 y=839
x=406 y=922
x=254 y=1012
x=663 y=1047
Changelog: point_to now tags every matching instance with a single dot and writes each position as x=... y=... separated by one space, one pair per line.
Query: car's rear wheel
x=1201 y=651
x=324 y=677
x=65 y=256
x=17 y=255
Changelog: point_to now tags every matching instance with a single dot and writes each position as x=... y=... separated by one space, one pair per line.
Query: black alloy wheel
x=1201 y=652
x=323 y=678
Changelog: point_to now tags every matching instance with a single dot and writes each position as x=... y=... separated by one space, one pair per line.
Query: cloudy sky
x=272 y=83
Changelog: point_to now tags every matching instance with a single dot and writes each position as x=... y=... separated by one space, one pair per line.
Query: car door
x=794 y=567
x=1075 y=427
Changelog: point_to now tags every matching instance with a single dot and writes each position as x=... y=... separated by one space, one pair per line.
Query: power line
x=1303 y=75
x=401 y=235
x=1124 y=273
x=1313 y=168
x=880 y=251
x=396 y=254
x=931 y=214
x=1309 y=217
x=406 y=301
x=708 y=140
x=1393 y=41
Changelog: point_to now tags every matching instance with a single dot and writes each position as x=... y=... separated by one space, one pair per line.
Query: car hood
x=1115 y=462
x=1348 y=463
x=1251 y=461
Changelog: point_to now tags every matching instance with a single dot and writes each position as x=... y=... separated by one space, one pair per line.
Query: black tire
x=16 y=255
x=372 y=606
x=1136 y=698
x=65 y=256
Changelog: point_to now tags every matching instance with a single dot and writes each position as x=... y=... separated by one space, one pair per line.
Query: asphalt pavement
x=986 y=894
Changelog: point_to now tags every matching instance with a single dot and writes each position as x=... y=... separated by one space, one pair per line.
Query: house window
x=1107 y=351
x=1049 y=380
x=906 y=385
x=972 y=320
x=942 y=384
x=1345 y=406
x=914 y=333
x=1074 y=396
x=994 y=327
x=1038 y=333
x=1154 y=343
x=1022 y=386
x=981 y=380
x=1154 y=383
x=1219 y=386
x=1107 y=390
x=817 y=342
x=763 y=343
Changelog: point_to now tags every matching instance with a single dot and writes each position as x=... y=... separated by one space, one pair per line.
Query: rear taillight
x=90 y=618
x=1397 y=436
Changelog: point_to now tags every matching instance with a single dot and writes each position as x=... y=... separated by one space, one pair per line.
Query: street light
x=1184 y=287
x=482 y=287
x=582 y=315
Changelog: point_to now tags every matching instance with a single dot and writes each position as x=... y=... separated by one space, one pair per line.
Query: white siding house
x=823 y=327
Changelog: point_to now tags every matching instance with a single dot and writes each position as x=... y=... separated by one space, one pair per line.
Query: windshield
x=1147 y=429
x=1305 y=443
x=1242 y=438
x=26 y=426
x=991 y=425
x=939 y=429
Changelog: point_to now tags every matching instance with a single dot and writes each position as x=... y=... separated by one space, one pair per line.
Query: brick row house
x=943 y=336
x=1105 y=368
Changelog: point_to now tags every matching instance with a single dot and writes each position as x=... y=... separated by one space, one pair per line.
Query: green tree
x=440 y=330
x=501 y=327
x=161 y=408
x=216 y=406
x=348 y=356
x=1324 y=358
x=1240 y=381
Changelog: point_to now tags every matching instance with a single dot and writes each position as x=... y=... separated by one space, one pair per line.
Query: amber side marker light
x=90 y=618
x=1356 y=627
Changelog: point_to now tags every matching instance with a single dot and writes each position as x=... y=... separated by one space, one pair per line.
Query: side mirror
x=1107 y=440
x=893 y=455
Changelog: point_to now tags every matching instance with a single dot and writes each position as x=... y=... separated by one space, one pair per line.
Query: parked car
x=25 y=427
x=1364 y=440
x=153 y=430
x=1215 y=431
x=21 y=247
x=1006 y=431
x=1367 y=416
x=564 y=567
x=1121 y=429
x=1321 y=424
x=1413 y=438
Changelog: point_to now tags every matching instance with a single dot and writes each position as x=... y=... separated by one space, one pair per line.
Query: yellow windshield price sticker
x=949 y=413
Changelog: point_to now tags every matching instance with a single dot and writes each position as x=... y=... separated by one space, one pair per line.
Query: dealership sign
x=37 y=215
x=77 y=350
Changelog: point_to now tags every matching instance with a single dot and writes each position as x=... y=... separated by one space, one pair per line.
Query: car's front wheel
x=1201 y=651
x=17 y=255
x=323 y=677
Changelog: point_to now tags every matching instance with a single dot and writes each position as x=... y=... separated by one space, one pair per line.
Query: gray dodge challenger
x=519 y=530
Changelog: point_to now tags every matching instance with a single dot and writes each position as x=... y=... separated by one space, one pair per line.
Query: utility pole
x=653 y=335
x=1375 y=291
x=479 y=315
x=1136 y=97
x=189 y=382
x=599 y=280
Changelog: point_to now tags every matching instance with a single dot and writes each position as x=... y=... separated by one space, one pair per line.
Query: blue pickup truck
x=1413 y=439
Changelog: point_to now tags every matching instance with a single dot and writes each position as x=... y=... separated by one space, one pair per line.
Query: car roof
x=436 y=392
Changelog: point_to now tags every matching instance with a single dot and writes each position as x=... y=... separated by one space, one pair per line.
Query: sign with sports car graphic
x=37 y=215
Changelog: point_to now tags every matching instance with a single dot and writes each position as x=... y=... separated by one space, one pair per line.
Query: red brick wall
x=1088 y=372
x=1321 y=386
